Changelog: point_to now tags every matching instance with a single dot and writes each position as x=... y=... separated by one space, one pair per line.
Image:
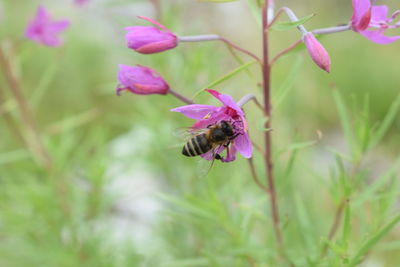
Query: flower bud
x=317 y=52
x=141 y=80
x=150 y=39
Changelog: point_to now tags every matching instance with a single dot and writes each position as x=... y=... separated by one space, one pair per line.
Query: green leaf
x=225 y=77
x=345 y=121
x=378 y=183
x=346 y=226
x=283 y=26
x=288 y=84
x=387 y=122
x=373 y=240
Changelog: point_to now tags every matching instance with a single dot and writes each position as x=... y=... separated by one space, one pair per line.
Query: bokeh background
x=121 y=194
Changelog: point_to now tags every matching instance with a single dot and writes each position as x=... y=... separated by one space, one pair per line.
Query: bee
x=214 y=136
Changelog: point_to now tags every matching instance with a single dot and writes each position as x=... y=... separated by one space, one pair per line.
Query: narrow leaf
x=373 y=240
x=387 y=122
x=344 y=120
x=226 y=77
x=283 y=26
x=288 y=84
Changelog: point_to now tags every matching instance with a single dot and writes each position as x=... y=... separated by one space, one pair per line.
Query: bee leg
x=233 y=137
x=217 y=157
x=227 y=144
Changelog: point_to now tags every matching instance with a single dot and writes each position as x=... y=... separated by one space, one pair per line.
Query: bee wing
x=204 y=166
x=188 y=132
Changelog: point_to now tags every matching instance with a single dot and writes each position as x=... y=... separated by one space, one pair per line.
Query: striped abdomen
x=196 y=146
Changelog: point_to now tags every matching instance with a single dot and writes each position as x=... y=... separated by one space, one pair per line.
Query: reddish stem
x=284 y=51
x=34 y=140
x=181 y=97
x=266 y=71
x=244 y=51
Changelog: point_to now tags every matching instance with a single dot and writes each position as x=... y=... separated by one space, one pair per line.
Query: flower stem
x=334 y=227
x=215 y=37
x=284 y=51
x=255 y=177
x=181 y=97
x=247 y=98
x=330 y=30
x=33 y=139
x=266 y=71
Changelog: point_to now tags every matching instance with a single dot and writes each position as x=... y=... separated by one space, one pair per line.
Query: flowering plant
x=206 y=115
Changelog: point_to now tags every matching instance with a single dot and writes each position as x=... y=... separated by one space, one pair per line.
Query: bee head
x=227 y=128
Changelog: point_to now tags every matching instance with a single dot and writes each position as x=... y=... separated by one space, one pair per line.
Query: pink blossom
x=372 y=21
x=206 y=115
x=150 y=39
x=81 y=2
x=317 y=52
x=141 y=80
x=44 y=30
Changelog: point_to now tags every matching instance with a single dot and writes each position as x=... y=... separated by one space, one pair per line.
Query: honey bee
x=214 y=136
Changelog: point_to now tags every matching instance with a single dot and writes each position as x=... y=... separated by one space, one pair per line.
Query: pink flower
x=140 y=80
x=317 y=52
x=81 y=2
x=372 y=21
x=150 y=39
x=43 y=30
x=206 y=115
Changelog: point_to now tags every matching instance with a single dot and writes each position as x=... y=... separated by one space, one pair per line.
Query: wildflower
x=372 y=21
x=317 y=52
x=43 y=30
x=150 y=39
x=141 y=80
x=207 y=115
x=81 y=2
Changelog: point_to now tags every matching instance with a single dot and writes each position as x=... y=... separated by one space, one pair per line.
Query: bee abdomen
x=196 y=146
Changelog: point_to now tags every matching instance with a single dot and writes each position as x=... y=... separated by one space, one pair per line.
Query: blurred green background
x=121 y=194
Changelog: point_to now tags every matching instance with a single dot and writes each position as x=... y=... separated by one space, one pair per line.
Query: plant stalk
x=33 y=139
x=266 y=73
x=181 y=97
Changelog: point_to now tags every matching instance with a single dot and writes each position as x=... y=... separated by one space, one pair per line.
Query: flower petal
x=360 y=7
x=196 y=111
x=243 y=145
x=379 y=38
x=214 y=118
x=230 y=154
x=156 y=47
x=379 y=13
x=226 y=100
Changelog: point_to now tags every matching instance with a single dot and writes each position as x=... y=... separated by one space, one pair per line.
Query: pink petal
x=155 y=23
x=378 y=37
x=196 y=111
x=157 y=47
x=243 y=145
x=379 y=13
x=230 y=154
x=360 y=9
x=226 y=100
x=216 y=117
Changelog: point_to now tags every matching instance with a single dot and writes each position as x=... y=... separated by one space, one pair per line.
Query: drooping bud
x=44 y=30
x=150 y=39
x=141 y=80
x=317 y=52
